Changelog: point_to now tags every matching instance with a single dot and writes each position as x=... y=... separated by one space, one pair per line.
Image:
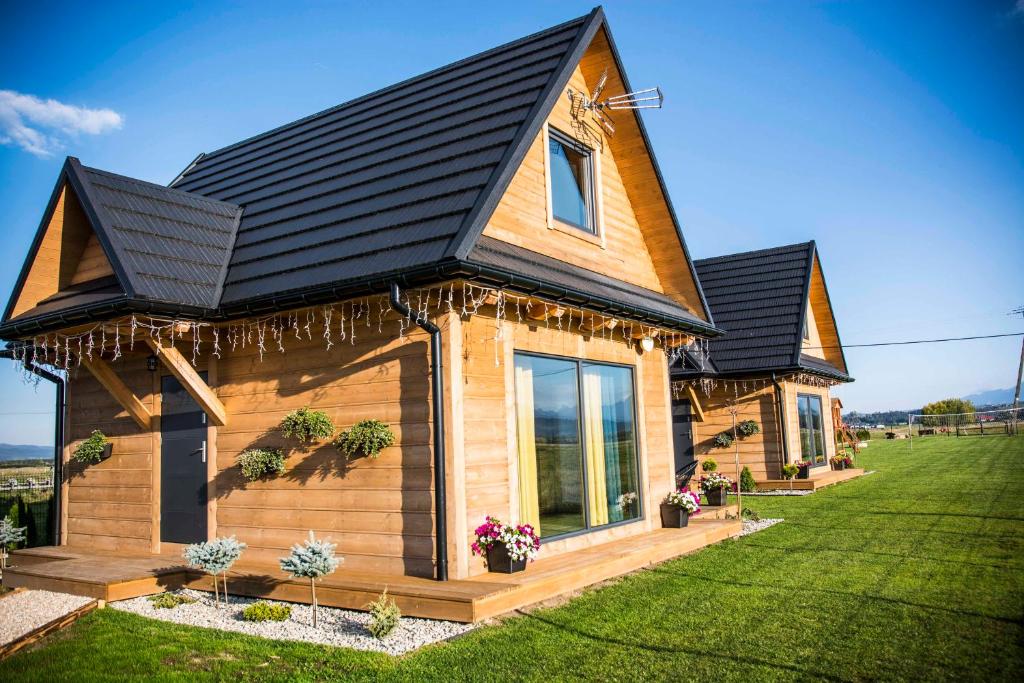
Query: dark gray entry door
x=182 y=465
x=682 y=432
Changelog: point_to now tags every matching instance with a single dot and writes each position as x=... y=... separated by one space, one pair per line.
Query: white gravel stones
x=339 y=627
x=25 y=611
x=780 y=492
x=750 y=526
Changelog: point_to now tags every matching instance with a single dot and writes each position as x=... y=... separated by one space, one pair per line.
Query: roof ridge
x=756 y=252
x=400 y=84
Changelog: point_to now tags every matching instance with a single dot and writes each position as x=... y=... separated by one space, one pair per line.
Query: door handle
x=203 y=450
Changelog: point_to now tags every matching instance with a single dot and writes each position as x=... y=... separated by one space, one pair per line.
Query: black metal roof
x=395 y=185
x=760 y=298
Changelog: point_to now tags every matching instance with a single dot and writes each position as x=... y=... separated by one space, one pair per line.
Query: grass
x=915 y=572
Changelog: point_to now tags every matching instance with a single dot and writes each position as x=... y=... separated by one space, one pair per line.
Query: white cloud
x=38 y=126
x=1018 y=9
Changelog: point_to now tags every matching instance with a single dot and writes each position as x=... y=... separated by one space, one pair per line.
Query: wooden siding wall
x=791 y=390
x=378 y=511
x=491 y=470
x=109 y=505
x=93 y=263
x=762 y=453
x=829 y=335
x=59 y=253
x=812 y=346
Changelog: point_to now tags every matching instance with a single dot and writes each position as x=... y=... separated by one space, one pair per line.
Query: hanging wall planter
x=93 y=450
x=307 y=426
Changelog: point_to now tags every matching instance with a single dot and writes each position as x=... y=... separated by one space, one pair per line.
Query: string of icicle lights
x=707 y=385
x=338 y=323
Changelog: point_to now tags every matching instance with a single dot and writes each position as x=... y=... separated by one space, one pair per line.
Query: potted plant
x=677 y=508
x=307 y=426
x=723 y=440
x=506 y=547
x=838 y=462
x=716 y=487
x=748 y=428
x=848 y=462
x=803 y=469
x=709 y=465
x=259 y=462
x=789 y=472
x=368 y=438
x=94 y=449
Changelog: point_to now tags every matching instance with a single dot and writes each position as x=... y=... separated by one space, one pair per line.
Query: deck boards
x=816 y=481
x=113 y=576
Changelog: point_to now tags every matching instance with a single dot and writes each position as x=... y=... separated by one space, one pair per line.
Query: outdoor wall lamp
x=647 y=344
x=151 y=363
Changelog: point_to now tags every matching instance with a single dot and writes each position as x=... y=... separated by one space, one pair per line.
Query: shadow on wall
x=363 y=486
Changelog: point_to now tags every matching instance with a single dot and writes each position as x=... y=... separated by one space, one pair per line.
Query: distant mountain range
x=10 y=451
x=991 y=397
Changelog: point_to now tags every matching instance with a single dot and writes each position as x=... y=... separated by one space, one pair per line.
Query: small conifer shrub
x=215 y=557
x=312 y=560
x=368 y=438
x=266 y=611
x=307 y=426
x=747 y=484
x=259 y=462
x=384 y=616
x=91 y=450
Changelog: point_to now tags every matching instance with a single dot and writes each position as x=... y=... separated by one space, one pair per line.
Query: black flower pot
x=717 y=497
x=108 y=450
x=498 y=560
x=673 y=516
x=803 y=473
x=839 y=466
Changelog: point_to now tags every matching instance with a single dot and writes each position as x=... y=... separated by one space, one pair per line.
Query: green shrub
x=863 y=435
x=723 y=440
x=709 y=465
x=748 y=428
x=384 y=616
x=266 y=611
x=91 y=450
x=747 y=480
x=789 y=471
x=257 y=462
x=169 y=600
x=307 y=425
x=368 y=438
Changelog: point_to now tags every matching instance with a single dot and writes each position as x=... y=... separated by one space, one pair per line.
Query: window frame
x=824 y=442
x=580 y=410
x=591 y=196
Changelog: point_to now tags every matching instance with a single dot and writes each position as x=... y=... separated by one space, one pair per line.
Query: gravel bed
x=750 y=526
x=339 y=627
x=24 y=611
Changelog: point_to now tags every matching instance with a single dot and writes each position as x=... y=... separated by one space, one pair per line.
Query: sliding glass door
x=576 y=428
x=812 y=434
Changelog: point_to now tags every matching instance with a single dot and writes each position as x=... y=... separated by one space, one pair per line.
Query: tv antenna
x=648 y=98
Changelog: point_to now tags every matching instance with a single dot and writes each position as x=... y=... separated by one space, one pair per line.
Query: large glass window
x=577 y=444
x=572 y=181
x=812 y=434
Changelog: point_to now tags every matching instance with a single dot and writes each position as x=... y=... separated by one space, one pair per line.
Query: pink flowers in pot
x=521 y=541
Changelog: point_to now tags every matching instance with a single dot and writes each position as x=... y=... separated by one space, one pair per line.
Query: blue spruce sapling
x=313 y=559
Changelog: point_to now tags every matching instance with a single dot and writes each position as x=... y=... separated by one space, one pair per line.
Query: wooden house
x=774 y=366
x=465 y=256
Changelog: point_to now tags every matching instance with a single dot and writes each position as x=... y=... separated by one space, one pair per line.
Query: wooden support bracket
x=698 y=410
x=106 y=376
x=597 y=322
x=190 y=379
x=542 y=311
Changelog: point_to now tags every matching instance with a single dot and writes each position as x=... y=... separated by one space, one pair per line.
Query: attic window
x=572 y=181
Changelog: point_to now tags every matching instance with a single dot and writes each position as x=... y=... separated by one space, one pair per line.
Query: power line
x=917 y=341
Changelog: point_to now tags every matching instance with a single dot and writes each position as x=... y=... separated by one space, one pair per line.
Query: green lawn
x=915 y=572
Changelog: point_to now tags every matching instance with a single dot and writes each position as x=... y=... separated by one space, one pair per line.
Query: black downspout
x=58 y=437
x=781 y=402
x=437 y=397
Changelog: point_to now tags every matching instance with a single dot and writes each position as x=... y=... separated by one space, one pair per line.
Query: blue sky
x=890 y=133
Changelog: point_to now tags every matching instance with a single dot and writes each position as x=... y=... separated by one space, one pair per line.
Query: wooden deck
x=109 y=576
x=815 y=482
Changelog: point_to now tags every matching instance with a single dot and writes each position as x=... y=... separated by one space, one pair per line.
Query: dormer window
x=571 y=176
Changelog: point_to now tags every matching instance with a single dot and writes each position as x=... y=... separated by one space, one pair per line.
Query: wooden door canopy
x=190 y=379
x=106 y=376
